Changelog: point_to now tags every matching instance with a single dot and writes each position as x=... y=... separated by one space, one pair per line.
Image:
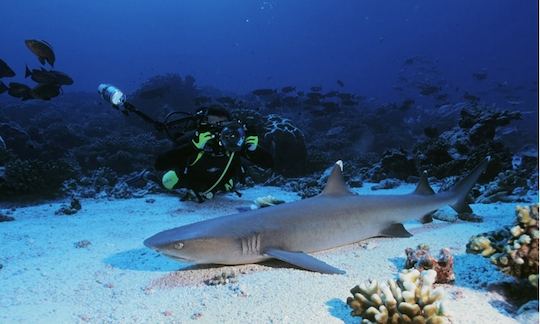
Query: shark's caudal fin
x=461 y=188
x=335 y=185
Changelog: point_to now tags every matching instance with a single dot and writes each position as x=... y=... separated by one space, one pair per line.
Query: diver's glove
x=169 y=180
x=252 y=142
x=201 y=139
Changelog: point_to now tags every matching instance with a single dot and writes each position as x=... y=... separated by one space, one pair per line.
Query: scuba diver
x=210 y=148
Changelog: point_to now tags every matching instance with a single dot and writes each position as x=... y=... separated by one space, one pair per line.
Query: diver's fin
x=395 y=230
x=423 y=187
x=27 y=72
x=42 y=60
x=303 y=260
x=335 y=185
x=462 y=188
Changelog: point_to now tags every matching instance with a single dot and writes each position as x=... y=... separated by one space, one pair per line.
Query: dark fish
x=226 y=100
x=442 y=97
x=480 y=76
x=19 y=90
x=340 y=83
x=288 y=89
x=331 y=94
x=406 y=104
x=330 y=105
x=263 y=92
x=3 y=87
x=62 y=78
x=42 y=50
x=5 y=70
x=314 y=95
x=46 y=91
x=428 y=89
x=201 y=100
x=154 y=93
x=345 y=96
x=316 y=88
x=470 y=97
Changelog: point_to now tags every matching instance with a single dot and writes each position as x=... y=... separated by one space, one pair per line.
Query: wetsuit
x=208 y=171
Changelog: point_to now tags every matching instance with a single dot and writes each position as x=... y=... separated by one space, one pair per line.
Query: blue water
x=241 y=45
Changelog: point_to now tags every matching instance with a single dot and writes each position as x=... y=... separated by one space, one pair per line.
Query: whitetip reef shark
x=290 y=231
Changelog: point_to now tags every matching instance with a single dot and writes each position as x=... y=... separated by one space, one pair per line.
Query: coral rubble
x=410 y=299
x=421 y=259
x=514 y=248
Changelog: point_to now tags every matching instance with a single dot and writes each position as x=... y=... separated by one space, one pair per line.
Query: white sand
x=46 y=279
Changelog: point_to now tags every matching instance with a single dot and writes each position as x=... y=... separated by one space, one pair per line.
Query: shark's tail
x=461 y=189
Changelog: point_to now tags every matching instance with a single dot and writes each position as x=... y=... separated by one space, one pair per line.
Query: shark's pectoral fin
x=303 y=260
x=396 y=230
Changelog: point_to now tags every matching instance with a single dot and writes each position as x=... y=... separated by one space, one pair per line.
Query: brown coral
x=514 y=249
x=410 y=299
x=421 y=259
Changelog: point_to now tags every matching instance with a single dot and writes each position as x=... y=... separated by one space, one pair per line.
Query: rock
x=528 y=313
x=73 y=208
x=4 y=218
x=386 y=184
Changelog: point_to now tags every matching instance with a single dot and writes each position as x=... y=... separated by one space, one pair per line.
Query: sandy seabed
x=46 y=278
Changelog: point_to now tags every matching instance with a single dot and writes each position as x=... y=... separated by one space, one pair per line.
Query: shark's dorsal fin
x=335 y=185
x=423 y=187
x=303 y=260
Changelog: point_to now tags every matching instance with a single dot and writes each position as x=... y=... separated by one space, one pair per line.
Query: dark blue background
x=239 y=45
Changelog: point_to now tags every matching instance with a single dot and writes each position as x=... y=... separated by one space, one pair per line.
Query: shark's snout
x=157 y=241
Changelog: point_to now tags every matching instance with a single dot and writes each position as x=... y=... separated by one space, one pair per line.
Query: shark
x=292 y=232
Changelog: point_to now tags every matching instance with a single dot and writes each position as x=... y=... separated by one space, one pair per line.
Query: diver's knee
x=169 y=180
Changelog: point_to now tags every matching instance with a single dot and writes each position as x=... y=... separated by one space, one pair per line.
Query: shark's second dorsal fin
x=423 y=188
x=335 y=185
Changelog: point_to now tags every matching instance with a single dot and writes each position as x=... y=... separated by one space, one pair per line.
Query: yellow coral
x=517 y=252
x=410 y=299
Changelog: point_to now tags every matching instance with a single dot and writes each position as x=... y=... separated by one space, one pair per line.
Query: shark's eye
x=178 y=245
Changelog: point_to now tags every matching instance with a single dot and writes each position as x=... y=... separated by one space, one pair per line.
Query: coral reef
x=222 y=279
x=5 y=218
x=71 y=209
x=514 y=248
x=267 y=201
x=421 y=259
x=410 y=299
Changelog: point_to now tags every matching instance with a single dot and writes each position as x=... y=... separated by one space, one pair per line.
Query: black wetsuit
x=209 y=170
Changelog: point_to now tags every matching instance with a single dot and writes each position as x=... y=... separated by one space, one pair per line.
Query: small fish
x=226 y=100
x=50 y=77
x=340 y=83
x=19 y=90
x=288 y=89
x=42 y=50
x=202 y=100
x=5 y=70
x=263 y=92
x=3 y=87
x=46 y=91
x=470 y=97
x=480 y=76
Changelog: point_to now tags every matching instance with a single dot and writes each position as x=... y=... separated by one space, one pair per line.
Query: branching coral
x=410 y=299
x=514 y=249
x=421 y=259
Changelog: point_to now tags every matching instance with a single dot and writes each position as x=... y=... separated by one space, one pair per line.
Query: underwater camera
x=178 y=124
